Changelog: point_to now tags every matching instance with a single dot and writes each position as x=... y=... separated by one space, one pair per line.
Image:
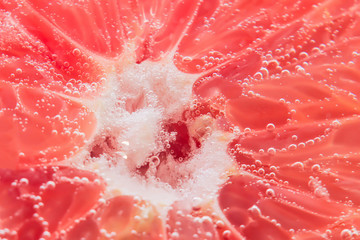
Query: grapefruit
x=191 y=119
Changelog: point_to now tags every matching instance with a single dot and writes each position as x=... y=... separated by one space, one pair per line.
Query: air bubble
x=270 y=192
x=175 y=235
x=273 y=63
x=258 y=76
x=303 y=55
x=270 y=127
x=300 y=69
x=186 y=59
x=298 y=165
x=315 y=168
x=336 y=124
x=24 y=181
x=46 y=234
x=247 y=130
x=206 y=219
x=346 y=234
x=271 y=151
x=220 y=224
x=285 y=73
x=255 y=211
x=76 y=52
x=226 y=234
x=292 y=147
x=209 y=235
x=155 y=161
x=19 y=71
x=321 y=192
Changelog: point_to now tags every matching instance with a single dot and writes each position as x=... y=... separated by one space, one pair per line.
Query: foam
x=206 y=168
x=131 y=110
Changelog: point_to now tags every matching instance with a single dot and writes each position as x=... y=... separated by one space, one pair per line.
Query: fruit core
x=148 y=143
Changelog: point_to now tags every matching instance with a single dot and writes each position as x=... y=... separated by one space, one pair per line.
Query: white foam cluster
x=131 y=109
x=140 y=134
x=207 y=168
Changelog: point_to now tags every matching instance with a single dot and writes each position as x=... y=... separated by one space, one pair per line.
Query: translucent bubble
x=255 y=211
x=299 y=165
x=270 y=127
x=303 y=55
x=186 y=59
x=76 y=52
x=273 y=168
x=271 y=151
x=226 y=234
x=155 y=161
x=24 y=181
x=46 y=234
x=336 y=124
x=301 y=145
x=300 y=69
x=209 y=235
x=273 y=63
x=175 y=235
x=247 y=130
x=270 y=192
x=316 y=50
x=346 y=234
x=310 y=142
x=206 y=219
x=264 y=72
x=315 y=168
x=292 y=147
x=220 y=224
x=258 y=76
x=321 y=192
x=285 y=73
x=19 y=71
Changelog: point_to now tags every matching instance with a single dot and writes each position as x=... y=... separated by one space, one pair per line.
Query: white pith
x=134 y=103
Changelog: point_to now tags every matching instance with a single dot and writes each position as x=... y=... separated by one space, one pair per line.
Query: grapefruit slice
x=224 y=119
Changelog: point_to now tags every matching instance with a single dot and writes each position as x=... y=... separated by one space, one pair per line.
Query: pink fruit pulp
x=179 y=119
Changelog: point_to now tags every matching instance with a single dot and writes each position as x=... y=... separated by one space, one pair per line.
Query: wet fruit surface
x=224 y=119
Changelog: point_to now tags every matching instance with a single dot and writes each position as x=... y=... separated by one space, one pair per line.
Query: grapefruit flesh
x=225 y=119
x=29 y=197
